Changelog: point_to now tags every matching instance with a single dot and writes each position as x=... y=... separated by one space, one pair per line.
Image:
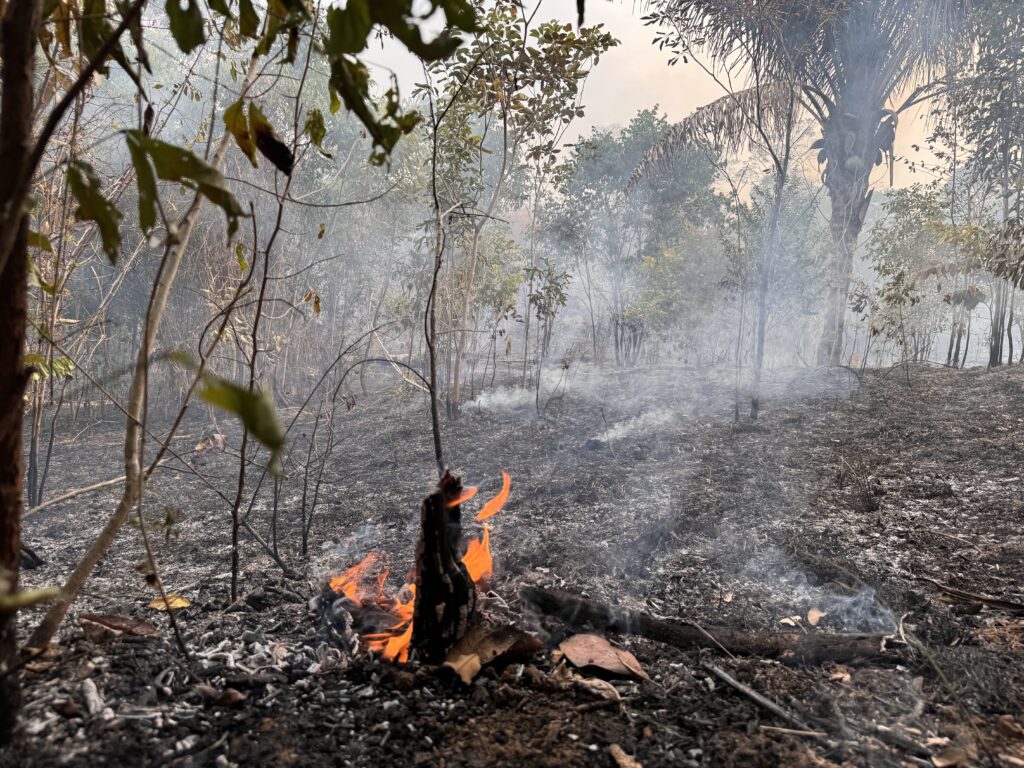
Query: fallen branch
x=76 y=492
x=762 y=701
x=991 y=602
x=787 y=647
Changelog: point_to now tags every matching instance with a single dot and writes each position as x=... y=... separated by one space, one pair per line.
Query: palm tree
x=847 y=60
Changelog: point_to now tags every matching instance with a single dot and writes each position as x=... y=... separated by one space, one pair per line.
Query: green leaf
x=240 y=256
x=348 y=28
x=85 y=185
x=94 y=32
x=316 y=130
x=255 y=409
x=40 y=241
x=248 y=21
x=35 y=278
x=187 y=24
x=220 y=6
x=234 y=120
x=268 y=142
x=173 y=163
x=135 y=31
x=146 y=183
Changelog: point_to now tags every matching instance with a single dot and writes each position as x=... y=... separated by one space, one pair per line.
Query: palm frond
x=728 y=124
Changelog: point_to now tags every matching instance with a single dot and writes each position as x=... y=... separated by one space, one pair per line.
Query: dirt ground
x=864 y=502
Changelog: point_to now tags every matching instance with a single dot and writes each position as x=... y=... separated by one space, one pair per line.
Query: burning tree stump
x=445 y=593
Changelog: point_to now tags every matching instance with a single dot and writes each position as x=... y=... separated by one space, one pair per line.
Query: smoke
x=651 y=420
x=858 y=612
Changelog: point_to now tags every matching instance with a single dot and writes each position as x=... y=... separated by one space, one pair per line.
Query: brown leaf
x=814 y=616
x=104 y=626
x=622 y=760
x=950 y=757
x=1009 y=727
x=600 y=689
x=840 y=674
x=483 y=644
x=174 y=603
x=595 y=651
x=230 y=698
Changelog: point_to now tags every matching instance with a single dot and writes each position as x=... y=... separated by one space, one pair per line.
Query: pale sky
x=635 y=75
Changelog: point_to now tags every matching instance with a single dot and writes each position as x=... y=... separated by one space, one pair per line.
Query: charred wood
x=787 y=647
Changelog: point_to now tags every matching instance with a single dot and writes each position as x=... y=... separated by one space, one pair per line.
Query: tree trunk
x=850 y=199
x=20 y=24
x=445 y=594
x=43 y=634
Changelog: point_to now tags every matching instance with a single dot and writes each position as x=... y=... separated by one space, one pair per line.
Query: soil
x=859 y=498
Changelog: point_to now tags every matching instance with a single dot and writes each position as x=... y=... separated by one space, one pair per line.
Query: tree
x=96 y=42
x=850 y=62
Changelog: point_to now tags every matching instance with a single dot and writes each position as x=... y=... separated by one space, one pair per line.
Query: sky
x=635 y=75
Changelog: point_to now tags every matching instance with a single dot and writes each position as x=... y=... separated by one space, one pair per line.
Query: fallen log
x=787 y=647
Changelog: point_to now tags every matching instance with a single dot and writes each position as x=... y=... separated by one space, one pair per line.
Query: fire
x=467 y=493
x=393 y=640
x=478 y=557
x=494 y=506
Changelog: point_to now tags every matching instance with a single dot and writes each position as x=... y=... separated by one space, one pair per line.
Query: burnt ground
x=637 y=489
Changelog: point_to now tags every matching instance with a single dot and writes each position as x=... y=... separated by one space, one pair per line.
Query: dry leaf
x=1009 y=727
x=840 y=675
x=726 y=598
x=622 y=760
x=790 y=621
x=105 y=626
x=174 y=603
x=950 y=757
x=814 y=616
x=595 y=651
x=483 y=644
x=600 y=689
x=1011 y=760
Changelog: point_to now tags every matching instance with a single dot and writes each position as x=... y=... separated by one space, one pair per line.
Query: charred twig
x=787 y=647
x=991 y=602
x=760 y=700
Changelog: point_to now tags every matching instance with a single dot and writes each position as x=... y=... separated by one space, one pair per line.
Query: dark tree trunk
x=20 y=23
x=445 y=594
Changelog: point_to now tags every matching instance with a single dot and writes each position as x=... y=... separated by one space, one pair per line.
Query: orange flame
x=495 y=505
x=348 y=583
x=394 y=642
x=467 y=493
x=478 y=557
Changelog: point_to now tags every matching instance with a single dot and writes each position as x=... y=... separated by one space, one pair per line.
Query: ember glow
x=385 y=622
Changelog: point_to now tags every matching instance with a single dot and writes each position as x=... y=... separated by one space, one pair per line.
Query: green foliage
x=316 y=130
x=187 y=24
x=254 y=408
x=268 y=142
x=58 y=368
x=86 y=188
x=172 y=163
x=238 y=126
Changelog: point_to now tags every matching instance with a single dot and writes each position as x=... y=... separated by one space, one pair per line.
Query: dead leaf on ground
x=622 y=760
x=174 y=603
x=950 y=758
x=814 y=616
x=105 y=626
x=599 y=689
x=840 y=674
x=727 y=597
x=483 y=644
x=594 y=651
x=1009 y=727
